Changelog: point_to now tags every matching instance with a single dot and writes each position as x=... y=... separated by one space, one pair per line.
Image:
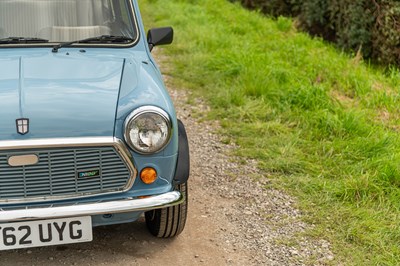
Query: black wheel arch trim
x=183 y=162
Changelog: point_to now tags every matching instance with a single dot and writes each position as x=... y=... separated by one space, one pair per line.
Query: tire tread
x=168 y=222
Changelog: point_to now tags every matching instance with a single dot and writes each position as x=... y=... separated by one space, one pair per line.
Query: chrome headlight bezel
x=135 y=115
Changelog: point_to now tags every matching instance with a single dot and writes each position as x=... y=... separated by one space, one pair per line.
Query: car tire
x=168 y=222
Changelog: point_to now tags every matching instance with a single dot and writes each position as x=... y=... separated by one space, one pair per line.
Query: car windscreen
x=66 y=20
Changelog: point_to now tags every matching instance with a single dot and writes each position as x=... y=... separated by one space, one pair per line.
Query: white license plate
x=45 y=232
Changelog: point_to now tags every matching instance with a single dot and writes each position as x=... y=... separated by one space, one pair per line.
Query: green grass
x=323 y=126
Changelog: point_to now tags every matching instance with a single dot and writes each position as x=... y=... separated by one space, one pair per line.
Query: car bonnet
x=62 y=95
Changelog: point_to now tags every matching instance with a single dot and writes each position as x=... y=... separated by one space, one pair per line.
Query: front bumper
x=120 y=206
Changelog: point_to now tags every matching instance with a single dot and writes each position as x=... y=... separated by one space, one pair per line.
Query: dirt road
x=233 y=219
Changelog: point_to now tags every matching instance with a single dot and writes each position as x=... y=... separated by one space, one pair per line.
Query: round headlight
x=147 y=129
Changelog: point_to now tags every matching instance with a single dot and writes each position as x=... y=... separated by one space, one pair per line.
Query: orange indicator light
x=148 y=175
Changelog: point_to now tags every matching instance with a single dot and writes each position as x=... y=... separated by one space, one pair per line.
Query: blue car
x=88 y=133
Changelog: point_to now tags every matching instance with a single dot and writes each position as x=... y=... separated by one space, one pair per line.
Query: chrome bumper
x=120 y=206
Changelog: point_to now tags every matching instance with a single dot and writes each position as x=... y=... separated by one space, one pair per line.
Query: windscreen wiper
x=106 y=39
x=16 y=40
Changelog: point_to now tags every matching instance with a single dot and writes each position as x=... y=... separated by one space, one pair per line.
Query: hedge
x=369 y=26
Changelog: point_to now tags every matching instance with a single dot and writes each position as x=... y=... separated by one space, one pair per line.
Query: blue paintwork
x=75 y=94
x=62 y=95
x=117 y=218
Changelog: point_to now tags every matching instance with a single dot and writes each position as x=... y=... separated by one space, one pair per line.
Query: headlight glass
x=147 y=129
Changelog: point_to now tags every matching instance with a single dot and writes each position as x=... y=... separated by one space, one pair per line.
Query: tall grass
x=323 y=125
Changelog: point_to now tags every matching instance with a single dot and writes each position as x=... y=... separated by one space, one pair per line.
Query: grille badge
x=22 y=125
x=22 y=160
x=89 y=174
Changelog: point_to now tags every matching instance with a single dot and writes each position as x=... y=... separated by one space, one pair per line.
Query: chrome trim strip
x=119 y=146
x=56 y=143
x=120 y=206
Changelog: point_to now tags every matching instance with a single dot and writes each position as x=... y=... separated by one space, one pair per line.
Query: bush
x=371 y=27
x=271 y=7
x=386 y=33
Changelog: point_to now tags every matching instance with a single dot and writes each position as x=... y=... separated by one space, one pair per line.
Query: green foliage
x=272 y=7
x=386 y=33
x=368 y=26
x=322 y=125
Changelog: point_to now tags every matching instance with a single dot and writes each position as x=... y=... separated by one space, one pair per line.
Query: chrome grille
x=55 y=175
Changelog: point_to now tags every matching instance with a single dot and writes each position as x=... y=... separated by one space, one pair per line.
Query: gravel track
x=233 y=219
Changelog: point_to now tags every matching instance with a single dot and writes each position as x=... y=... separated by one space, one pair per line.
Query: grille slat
x=55 y=175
